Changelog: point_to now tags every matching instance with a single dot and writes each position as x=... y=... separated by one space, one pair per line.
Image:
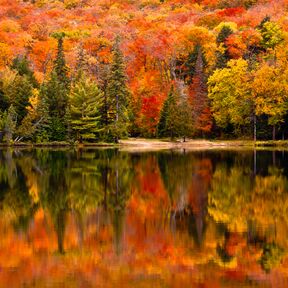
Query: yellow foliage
x=5 y=55
x=9 y=26
x=231 y=25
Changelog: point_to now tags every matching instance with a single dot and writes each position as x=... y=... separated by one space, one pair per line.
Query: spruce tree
x=4 y=101
x=161 y=128
x=21 y=65
x=223 y=57
x=117 y=96
x=43 y=129
x=10 y=122
x=167 y=126
x=18 y=94
x=60 y=67
x=85 y=103
x=54 y=93
x=184 y=120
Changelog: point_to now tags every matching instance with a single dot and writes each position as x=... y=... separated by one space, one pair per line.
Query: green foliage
x=55 y=94
x=19 y=92
x=271 y=256
x=4 y=101
x=117 y=96
x=222 y=55
x=185 y=124
x=85 y=103
x=10 y=121
x=186 y=69
x=21 y=65
x=60 y=68
x=272 y=34
x=167 y=126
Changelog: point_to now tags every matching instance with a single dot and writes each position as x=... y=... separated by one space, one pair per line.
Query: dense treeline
x=64 y=107
x=216 y=78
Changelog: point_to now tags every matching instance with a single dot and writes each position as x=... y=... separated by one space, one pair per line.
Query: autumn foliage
x=157 y=37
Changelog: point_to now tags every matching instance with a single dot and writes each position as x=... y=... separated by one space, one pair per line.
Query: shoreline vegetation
x=143 y=143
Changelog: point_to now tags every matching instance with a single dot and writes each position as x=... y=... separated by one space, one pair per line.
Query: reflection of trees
x=54 y=192
x=80 y=182
x=229 y=194
x=186 y=177
x=271 y=256
x=62 y=182
x=15 y=198
x=253 y=205
x=117 y=175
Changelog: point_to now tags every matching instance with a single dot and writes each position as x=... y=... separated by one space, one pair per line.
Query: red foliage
x=230 y=12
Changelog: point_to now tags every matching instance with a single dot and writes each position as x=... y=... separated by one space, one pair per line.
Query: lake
x=110 y=218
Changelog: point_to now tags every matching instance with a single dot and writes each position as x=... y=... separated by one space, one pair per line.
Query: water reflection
x=167 y=218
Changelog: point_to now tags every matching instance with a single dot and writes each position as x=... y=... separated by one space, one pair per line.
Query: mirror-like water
x=106 y=218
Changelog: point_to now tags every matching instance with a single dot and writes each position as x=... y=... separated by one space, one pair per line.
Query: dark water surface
x=108 y=218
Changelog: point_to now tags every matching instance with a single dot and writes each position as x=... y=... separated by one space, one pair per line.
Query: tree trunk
x=255 y=127
x=274 y=133
x=117 y=118
x=255 y=161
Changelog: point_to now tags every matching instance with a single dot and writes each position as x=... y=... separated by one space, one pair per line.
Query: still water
x=109 y=218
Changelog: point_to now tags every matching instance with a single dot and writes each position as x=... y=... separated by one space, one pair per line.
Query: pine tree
x=43 y=129
x=18 y=94
x=85 y=103
x=186 y=68
x=161 y=128
x=10 y=122
x=4 y=101
x=184 y=121
x=117 y=96
x=54 y=93
x=223 y=56
x=21 y=65
x=167 y=126
x=60 y=67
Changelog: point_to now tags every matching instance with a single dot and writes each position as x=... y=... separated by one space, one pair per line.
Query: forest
x=100 y=70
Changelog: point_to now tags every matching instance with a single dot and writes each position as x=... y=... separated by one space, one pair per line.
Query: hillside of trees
x=101 y=70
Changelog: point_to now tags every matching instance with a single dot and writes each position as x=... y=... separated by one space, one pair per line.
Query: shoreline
x=143 y=143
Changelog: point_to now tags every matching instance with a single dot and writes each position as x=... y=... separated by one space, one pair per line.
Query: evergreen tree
x=161 y=128
x=4 y=101
x=117 y=96
x=271 y=33
x=10 y=120
x=18 y=93
x=223 y=56
x=60 y=67
x=21 y=65
x=185 y=125
x=43 y=126
x=54 y=94
x=85 y=103
x=186 y=69
x=167 y=126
